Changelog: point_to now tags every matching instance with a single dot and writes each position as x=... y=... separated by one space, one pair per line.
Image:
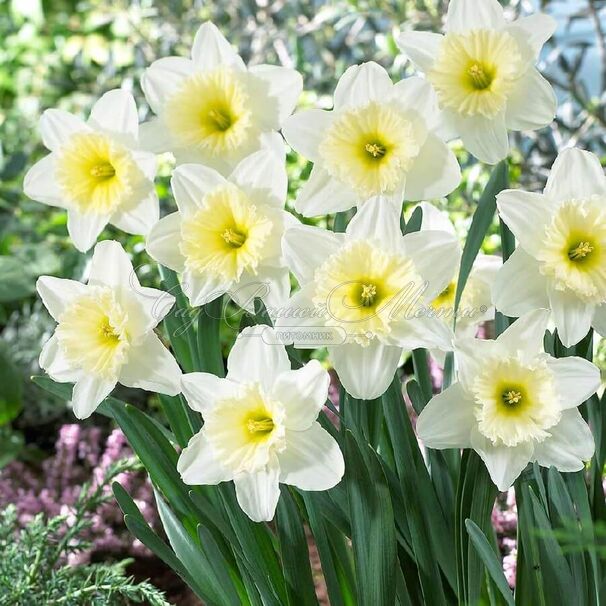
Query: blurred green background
x=62 y=53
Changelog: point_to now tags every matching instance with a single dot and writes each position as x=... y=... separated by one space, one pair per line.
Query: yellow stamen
x=512 y=398
x=107 y=331
x=103 y=171
x=376 y=150
x=480 y=78
x=265 y=425
x=221 y=119
x=233 y=237
x=368 y=295
x=580 y=251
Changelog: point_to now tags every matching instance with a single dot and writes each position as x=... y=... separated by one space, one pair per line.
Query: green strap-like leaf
x=137 y=525
x=212 y=576
x=482 y=219
x=490 y=559
x=373 y=533
x=294 y=552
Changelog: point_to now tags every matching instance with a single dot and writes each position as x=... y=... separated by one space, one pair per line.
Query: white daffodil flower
x=476 y=305
x=260 y=427
x=483 y=71
x=105 y=332
x=371 y=289
x=561 y=259
x=378 y=140
x=226 y=236
x=514 y=404
x=96 y=170
x=211 y=109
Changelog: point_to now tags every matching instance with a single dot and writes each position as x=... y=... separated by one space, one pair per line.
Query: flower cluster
x=368 y=294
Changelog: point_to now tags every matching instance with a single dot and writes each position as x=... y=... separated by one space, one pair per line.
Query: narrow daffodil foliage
x=226 y=236
x=514 y=404
x=105 y=331
x=483 y=72
x=260 y=428
x=371 y=289
x=212 y=109
x=96 y=170
x=380 y=139
x=561 y=261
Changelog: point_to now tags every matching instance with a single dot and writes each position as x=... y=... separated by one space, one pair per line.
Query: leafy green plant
x=34 y=561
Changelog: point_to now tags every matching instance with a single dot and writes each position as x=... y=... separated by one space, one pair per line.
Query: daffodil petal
x=191 y=182
x=361 y=84
x=163 y=242
x=197 y=464
x=306 y=247
x=436 y=257
x=534 y=30
x=321 y=194
x=88 y=393
x=141 y=217
x=421 y=48
x=258 y=493
x=303 y=392
x=116 y=112
x=58 y=293
x=521 y=115
x=434 y=219
x=40 y=183
x=377 y=219
x=519 y=286
x=365 y=372
x=256 y=358
x=84 y=228
x=55 y=364
x=57 y=127
x=485 y=138
x=526 y=214
x=280 y=88
x=435 y=172
x=575 y=174
x=576 y=379
x=111 y=266
x=265 y=174
x=202 y=390
x=572 y=316
x=152 y=367
x=570 y=444
x=504 y=463
x=312 y=459
x=305 y=130
x=162 y=78
x=465 y=15
x=526 y=334
x=448 y=419
x=211 y=49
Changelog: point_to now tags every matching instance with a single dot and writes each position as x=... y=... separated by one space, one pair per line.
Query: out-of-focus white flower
x=372 y=289
x=378 y=140
x=560 y=263
x=260 y=426
x=226 y=236
x=513 y=403
x=476 y=305
x=105 y=332
x=211 y=109
x=96 y=170
x=483 y=71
